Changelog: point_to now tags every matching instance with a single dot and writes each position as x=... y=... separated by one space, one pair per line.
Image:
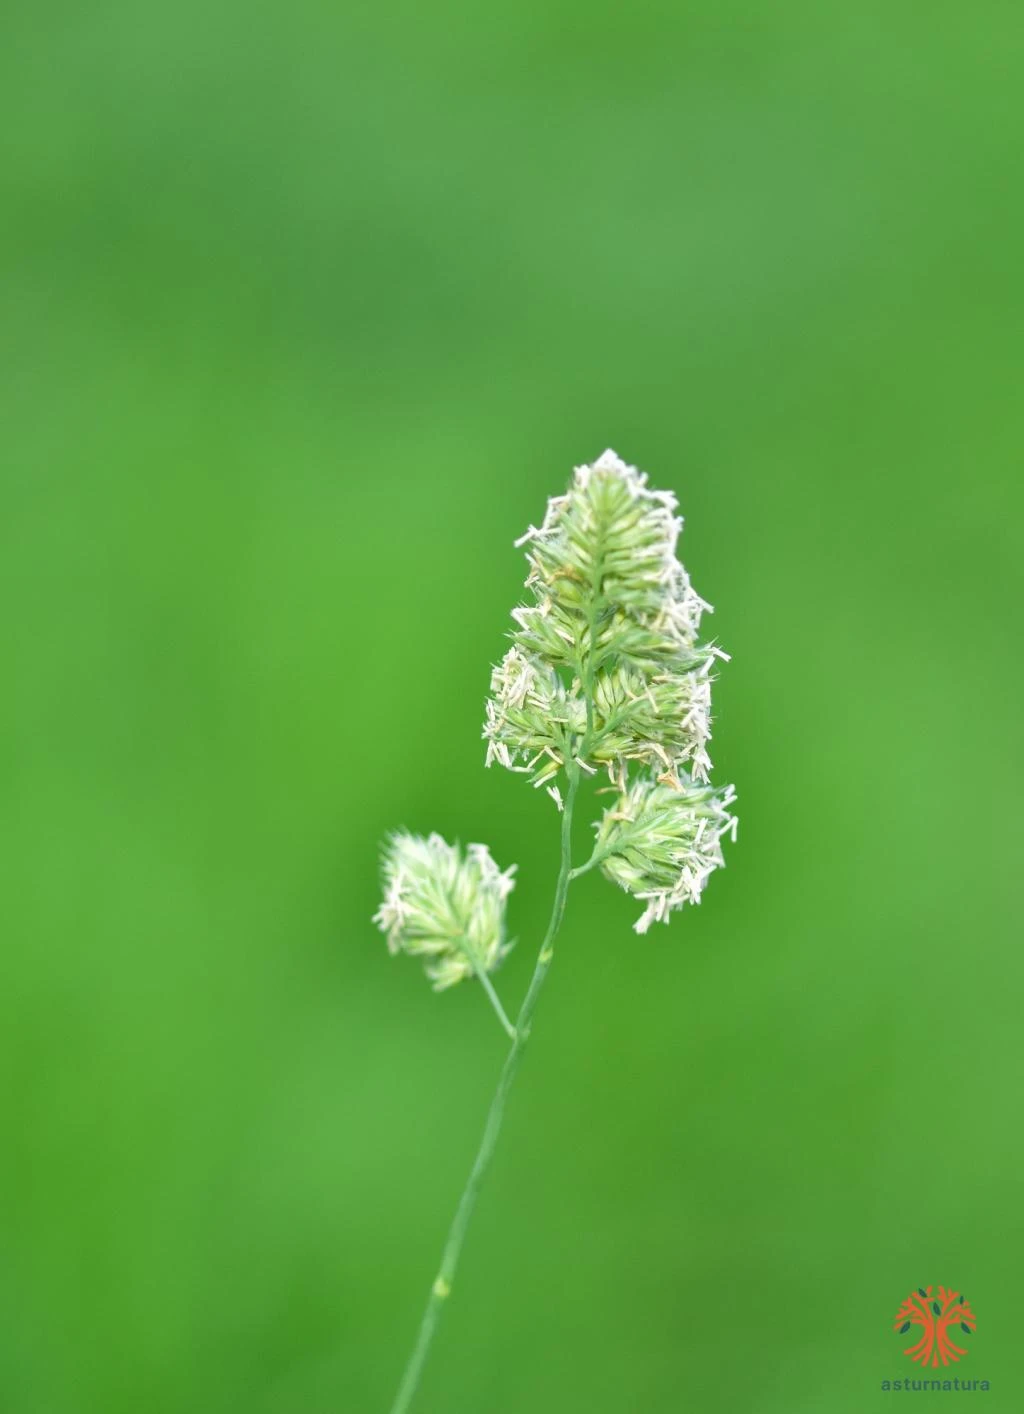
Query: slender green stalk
x=598 y=857
x=494 y=999
x=442 y=1287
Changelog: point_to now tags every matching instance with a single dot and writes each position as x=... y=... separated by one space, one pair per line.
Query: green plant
x=605 y=673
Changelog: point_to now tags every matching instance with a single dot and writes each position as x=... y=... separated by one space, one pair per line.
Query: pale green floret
x=660 y=843
x=662 y=720
x=604 y=573
x=532 y=719
x=608 y=534
x=445 y=906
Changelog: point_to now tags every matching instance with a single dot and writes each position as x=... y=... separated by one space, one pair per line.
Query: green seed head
x=615 y=620
x=614 y=616
x=444 y=905
x=663 y=841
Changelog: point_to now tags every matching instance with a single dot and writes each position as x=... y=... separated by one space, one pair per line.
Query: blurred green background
x=306 y=310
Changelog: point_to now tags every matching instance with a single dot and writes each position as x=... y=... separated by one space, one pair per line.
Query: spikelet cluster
x=662 y=842
x=607 y=671
x=444 y=905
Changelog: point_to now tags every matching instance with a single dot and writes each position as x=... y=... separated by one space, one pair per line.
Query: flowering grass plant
x=605 y=677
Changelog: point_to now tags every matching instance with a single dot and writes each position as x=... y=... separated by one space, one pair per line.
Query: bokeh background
x=306 y=310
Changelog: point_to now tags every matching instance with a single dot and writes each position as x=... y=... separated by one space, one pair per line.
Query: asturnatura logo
x=939 y=1318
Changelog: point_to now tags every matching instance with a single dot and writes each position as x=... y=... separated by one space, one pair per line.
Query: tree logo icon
x=938 y=1317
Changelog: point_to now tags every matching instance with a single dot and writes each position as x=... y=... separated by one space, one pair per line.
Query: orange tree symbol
x=935 y=1315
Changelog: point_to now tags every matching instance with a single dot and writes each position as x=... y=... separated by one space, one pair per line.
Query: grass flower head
x=445 y=906
x=606 y=673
